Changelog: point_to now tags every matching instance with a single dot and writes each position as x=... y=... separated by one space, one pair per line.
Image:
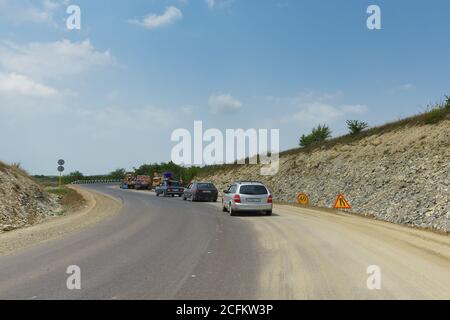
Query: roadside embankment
x=23 y=202
x=397 y=173
x=96 y=208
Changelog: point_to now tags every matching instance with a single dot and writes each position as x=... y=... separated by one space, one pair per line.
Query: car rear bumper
x=206 y=196
x=252 y=207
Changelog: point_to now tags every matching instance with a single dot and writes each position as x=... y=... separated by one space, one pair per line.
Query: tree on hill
x=117 y=174
x=318 y=135
x=355 y=126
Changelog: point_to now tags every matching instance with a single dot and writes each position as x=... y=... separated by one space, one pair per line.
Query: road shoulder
x=97 y=208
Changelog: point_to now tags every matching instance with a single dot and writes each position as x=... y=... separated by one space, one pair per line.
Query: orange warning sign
x=303 y=199
x=341 y=203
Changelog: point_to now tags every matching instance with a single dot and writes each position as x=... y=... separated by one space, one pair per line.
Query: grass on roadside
x=70 y=199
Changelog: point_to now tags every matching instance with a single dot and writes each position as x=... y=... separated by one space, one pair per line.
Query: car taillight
x=270 y=199
x=237 y=198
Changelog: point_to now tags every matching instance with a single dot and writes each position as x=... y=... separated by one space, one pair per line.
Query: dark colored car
x=169 y=188
x=201 y=191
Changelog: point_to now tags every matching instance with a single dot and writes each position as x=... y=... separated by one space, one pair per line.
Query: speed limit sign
x=303 y=199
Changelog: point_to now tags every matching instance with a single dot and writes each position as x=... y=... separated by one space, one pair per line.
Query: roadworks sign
x=341 y=203
x=303 y=199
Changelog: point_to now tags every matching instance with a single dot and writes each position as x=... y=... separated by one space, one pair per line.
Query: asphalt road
x=164 y=248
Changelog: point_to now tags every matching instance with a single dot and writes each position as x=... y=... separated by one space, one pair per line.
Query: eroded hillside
x=23 y=202
x=400 y=175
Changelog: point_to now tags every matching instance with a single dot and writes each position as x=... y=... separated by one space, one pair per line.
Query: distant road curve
x=165 y=248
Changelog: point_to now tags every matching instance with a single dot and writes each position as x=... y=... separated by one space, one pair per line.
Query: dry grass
x=3 y=166
x=70 y=199
x=433 y=116
x=14 y=168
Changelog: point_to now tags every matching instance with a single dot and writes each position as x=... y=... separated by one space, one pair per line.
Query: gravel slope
x=23 y=202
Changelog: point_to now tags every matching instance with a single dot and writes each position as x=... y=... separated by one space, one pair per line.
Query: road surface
x=165 y=248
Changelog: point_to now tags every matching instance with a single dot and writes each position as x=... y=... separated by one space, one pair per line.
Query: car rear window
x=174 y=184
x=253 y=190
x=205 y=186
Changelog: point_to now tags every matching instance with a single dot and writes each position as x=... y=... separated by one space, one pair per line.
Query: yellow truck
x=129 y=182
x=156 y=180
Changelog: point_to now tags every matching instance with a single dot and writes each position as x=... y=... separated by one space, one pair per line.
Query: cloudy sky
x=110 y=95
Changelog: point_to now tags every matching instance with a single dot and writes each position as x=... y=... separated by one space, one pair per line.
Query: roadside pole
x=61 y=163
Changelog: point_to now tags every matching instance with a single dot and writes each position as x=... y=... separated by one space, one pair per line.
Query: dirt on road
x=313 y=254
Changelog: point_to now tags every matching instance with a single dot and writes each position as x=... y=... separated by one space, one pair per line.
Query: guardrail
x=107 y=181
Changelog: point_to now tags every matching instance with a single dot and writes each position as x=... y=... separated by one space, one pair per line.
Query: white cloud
x=52 y=59
x=408 y=86
x=315 y=112
x=223 y=103
x=16 y=84
x=312 y=109
x=152 y=21
x=106 y=121
x=356 y=108
x=42 y=11
x=212 y=4
x=402 y=88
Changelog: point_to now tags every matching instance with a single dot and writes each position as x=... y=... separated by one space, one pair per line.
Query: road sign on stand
x=341 y=203
x=61 y=169
x=303 y=199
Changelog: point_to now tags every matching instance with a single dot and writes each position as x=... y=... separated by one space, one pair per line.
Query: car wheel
x=224 y=209
x=269 y=213
x=184 y=198
x=231 y=211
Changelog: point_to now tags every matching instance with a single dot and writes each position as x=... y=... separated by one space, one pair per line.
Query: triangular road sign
x=341 y=203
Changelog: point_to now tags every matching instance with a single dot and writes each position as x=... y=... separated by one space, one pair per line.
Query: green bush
x=356 y=126
x=59 y=191
x=317 y=136
x=435 y=115
x=118 y=174
x=437 y=112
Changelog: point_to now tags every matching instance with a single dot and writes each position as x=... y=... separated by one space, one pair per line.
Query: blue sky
x=109 y=95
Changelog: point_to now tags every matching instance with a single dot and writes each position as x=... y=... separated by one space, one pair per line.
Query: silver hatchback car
x=247 y=196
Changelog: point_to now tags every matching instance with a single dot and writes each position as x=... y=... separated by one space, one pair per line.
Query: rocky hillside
x=22 y=201
x=398 y=173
